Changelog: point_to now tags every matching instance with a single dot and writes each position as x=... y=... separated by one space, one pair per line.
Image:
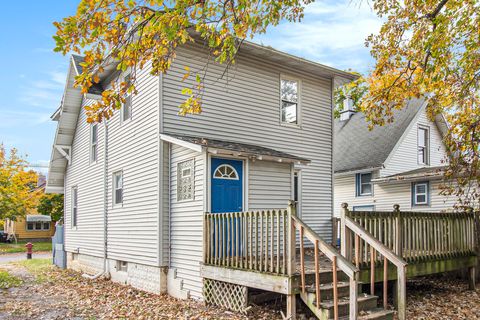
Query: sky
x=32 y=76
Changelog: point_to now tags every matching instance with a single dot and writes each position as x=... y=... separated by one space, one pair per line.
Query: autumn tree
x=431 y=49
x=140 y=33
x=51 y=204
x=18 y=192
x=355 y=91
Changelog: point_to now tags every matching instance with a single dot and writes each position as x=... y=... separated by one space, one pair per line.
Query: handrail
x=377 y=245
x=349 y=227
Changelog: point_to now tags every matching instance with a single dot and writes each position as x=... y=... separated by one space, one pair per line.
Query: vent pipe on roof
x=348 y=109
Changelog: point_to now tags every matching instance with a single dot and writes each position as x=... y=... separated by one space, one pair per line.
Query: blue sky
x=32 y=76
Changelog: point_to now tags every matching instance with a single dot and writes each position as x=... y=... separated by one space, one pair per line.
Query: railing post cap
x=344 y=205
x=396 y=207
x=291 y=202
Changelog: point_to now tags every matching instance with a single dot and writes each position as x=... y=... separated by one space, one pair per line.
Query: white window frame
x=358 y=184
x=226 y=178
x=34 y=223
x=299 y=102
x=93 y=144
x=426 y=193
x=122 y=266
x=74 y=213
x=426 y=147
x=115 y=188
x=122 y=109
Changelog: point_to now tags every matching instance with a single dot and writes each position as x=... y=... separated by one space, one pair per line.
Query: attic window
x=226 y=171
x=126 y=112
x=423 y=145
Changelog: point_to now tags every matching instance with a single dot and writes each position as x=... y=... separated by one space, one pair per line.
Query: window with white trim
x=423 y=145
x=118 y=188
x=289 y=106
x=364 y=184
x=126 y=112
x=225 y=171
x=93 y=142
x=185 y=180
x=74 y=206
x=420 y=193
x=38 y=226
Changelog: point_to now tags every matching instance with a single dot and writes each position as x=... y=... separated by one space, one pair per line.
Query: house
x=399 y=163
x=137 y=185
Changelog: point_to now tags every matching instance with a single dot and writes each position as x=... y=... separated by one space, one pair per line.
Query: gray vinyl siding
x=269 y=185
x=404 y=158
x=133 y=228
x=88 y=236
x=388 y=194
x=186 y=222
x=246 y=109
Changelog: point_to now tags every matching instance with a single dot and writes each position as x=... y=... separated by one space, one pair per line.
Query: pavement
x=12 y=257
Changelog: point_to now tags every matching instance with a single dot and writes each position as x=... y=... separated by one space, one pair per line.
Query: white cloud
x=44 y=93
x=333 y=33
x=17 y=119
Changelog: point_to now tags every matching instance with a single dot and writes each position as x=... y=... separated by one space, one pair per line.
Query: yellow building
x=32 y=227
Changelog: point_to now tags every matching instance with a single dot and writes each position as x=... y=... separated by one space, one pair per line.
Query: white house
x=137 y=185
x=399 y=163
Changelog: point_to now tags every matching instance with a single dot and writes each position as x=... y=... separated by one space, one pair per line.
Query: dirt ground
x=49 y=293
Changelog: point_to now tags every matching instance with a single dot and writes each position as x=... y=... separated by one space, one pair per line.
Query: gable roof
x=96 y=88
x=357 y=148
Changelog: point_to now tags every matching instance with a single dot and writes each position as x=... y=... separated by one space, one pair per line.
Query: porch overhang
x=237 y=149
x=427 y=173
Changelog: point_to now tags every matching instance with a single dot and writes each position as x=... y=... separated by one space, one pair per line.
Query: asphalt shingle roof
x=237 y=147
x=357 y=148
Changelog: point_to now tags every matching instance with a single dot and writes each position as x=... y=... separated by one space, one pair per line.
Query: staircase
x=367 y=304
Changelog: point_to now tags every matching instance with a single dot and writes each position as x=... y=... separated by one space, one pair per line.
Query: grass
x=20 y=247
x=37 y=267
x=8 y=281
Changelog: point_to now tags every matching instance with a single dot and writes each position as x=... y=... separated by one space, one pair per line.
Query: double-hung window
x=126 y=112
x=364 y=185
x=74 y=206
x=420 y=193
x=290 y=100
x=94 y=143
x=422 y=145
x=118 y=188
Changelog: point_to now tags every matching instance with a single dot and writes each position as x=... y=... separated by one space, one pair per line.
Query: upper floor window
x=118 y=188
x=289 y=92
x=126 y=112
x=94 y=143
x=74 y=206
x=364 y=184
x=185 y=181
x=423 y=145
x=420 y=193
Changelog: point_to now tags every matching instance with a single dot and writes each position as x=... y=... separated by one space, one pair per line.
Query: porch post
x=291 y=247
x=398 y=231
x=343 y=233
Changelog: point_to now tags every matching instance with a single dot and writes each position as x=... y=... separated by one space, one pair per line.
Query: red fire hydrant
x=29 y=247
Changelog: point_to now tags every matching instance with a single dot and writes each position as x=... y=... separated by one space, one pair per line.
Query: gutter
x=400 y=178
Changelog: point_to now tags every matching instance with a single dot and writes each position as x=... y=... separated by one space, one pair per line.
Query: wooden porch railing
x=419 y=236
x=361 y=246
x=266 y=241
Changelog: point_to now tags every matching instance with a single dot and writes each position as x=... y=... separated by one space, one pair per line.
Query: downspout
x=105 y=271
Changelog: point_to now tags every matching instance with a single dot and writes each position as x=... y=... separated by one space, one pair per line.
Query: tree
x=18 y=193
x=354 y=90
x=431 y=49
x=51 y=204
x=140 y=33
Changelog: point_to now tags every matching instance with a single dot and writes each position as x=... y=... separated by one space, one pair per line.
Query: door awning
x=222 y=147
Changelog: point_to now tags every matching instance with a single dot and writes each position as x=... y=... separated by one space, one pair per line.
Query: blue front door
x=227 y=185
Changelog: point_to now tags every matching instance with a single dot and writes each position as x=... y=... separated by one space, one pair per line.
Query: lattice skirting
x=227 y=295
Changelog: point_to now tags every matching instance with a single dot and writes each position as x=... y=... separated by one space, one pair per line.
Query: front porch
x=262 y=250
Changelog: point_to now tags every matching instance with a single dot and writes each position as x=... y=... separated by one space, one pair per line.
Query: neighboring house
x=399 y=163
x=137 y=185
x=33 y=227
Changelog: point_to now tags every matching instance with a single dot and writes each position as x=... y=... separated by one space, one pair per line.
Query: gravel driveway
x=12 y=257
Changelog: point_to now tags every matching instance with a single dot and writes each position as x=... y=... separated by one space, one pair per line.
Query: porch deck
x=263 y=250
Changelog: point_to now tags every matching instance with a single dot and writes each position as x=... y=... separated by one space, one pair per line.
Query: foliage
x=51 y=204
x=8 y=281
x=6 y=248
x=17 y=186
x=139 y=33
x=431 y=49
x=354 y=90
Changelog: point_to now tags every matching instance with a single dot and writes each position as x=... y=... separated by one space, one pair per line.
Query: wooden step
x=326 y=276
x=376 y=314
x=326 y=290
x=326 y=310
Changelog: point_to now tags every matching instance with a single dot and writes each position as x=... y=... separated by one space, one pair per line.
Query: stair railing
x=353 y=252
x=338 y=262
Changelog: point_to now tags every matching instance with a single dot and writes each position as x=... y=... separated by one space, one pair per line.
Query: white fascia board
x=186 y=144
x=365 y=170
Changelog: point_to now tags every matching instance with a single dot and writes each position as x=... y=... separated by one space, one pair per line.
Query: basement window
x=122 y=266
